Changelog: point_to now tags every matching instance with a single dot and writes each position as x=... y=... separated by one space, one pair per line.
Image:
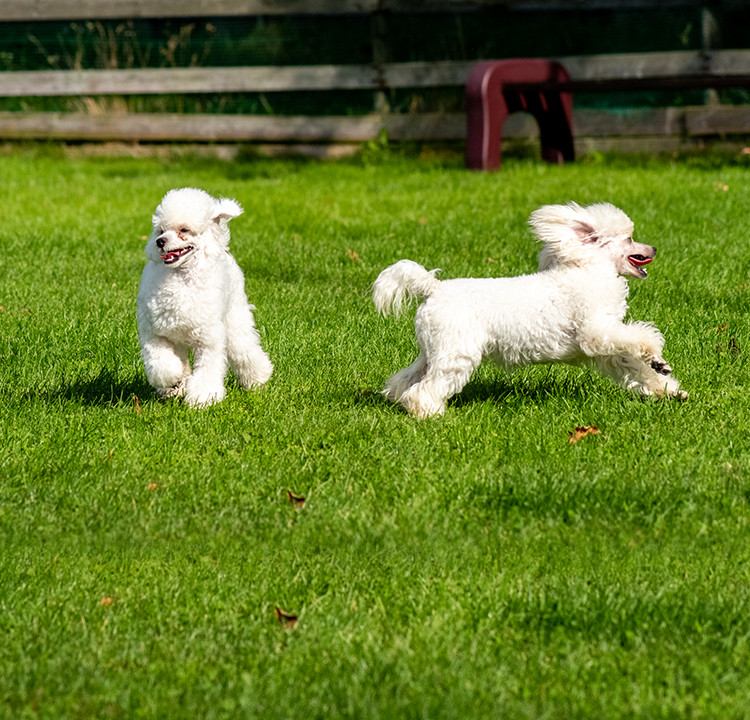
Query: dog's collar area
x=174 y=255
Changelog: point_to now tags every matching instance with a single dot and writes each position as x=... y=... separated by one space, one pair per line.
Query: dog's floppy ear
x=554 y=223
x=585 y=232
x=226 y=210
x=567 y=232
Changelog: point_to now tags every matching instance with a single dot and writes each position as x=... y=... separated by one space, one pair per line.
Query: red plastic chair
x=492 y=95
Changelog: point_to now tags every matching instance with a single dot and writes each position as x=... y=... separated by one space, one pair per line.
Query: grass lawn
x=474 y=565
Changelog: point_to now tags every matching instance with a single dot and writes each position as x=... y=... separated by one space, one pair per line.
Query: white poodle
x=570 y=311
x=192 y=297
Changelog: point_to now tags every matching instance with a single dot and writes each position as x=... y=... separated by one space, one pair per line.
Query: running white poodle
x=192 y=297
x=570 y=311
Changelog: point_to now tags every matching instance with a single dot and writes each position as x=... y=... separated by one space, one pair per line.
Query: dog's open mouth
x=638 y=261
x=174 y=255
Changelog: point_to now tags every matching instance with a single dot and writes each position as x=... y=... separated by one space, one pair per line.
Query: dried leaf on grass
x=298 y=501
x=106 y=601
x=352 y=255
x=287 y=620
x=581 y=432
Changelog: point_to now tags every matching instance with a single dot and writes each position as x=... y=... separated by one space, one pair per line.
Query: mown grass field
x=476 y=565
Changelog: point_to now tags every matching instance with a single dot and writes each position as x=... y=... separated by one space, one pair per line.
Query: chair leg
x=486 y=112
x=489 y=102
x=555 y=131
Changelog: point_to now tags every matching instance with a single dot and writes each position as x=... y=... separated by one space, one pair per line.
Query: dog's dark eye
x=184 y=231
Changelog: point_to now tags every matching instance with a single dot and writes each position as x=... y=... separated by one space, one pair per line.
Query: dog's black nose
x=160 y=242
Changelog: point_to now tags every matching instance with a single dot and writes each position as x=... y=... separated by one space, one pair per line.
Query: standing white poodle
x=192 y=297
x=570 y=311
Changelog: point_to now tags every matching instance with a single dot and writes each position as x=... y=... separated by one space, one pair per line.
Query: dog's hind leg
x=399 y=383
x=441 y=381
x=247 y=359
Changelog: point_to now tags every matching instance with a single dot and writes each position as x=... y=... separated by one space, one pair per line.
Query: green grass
x=475 y=565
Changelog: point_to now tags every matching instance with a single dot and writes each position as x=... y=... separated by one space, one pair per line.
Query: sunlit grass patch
x=479 y=564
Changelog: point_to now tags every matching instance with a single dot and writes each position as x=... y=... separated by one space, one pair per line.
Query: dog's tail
x=399 y=281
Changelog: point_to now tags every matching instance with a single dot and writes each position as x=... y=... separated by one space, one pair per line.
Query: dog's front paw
x=638 y=387
x=176 y=390
x=202 y=401
x=660 y=365
x=197 y=396
x=668 y=387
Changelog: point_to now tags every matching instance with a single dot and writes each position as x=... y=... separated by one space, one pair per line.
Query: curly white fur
x=192 y=297
x=570 y=311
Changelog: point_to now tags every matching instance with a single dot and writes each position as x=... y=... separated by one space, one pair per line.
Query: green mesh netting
x=497 y=32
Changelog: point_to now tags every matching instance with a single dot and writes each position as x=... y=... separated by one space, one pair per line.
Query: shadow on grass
x=104 y=389
x=517 y=391
x=509 y=390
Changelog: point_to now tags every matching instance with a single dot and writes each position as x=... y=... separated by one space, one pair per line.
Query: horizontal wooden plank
x=160 y=81
x=657 y=64
x=624 y=68
x=693 y=122
x=687 y=121
x=651 y=121
x=115 y=9
x=226 y=128
x=719 y=120
x=426 y=74
x=546 y=5
x=648 y=84
x=112 y=9
x=227 y=80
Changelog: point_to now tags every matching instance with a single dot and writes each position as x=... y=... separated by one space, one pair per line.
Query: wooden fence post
x=379 y=34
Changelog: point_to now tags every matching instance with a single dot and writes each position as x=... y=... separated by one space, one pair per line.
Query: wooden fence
x=662 y=128
x=104 y=9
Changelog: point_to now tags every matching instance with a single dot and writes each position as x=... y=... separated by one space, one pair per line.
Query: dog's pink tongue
x=639 y=261
x=169 y=256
